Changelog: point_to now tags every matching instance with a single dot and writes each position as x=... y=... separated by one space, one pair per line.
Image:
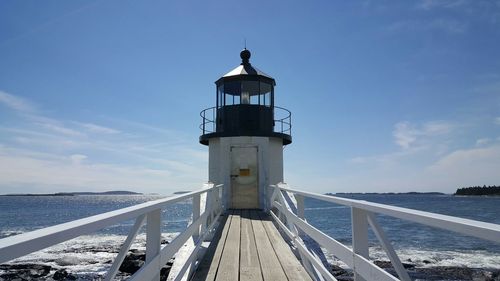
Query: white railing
x=288 y=213
x=201 y=227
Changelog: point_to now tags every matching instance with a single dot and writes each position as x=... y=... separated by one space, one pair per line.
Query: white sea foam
x=89 y=255
x=429 y=258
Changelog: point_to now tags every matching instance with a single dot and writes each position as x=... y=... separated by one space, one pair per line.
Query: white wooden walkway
x=247 y=246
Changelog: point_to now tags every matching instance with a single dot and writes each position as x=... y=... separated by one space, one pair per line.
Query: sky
x=386 y=96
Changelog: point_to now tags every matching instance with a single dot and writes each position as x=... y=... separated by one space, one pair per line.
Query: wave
x=428 y=258
x=87 y=255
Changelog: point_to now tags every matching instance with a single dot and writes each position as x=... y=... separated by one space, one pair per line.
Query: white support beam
x=483 y=230
x=196 y=214
x=387 y=246
x=153 y=239
x=29 y=242
x=367 y=269
x=300 y=206
x=360 y=246
x=125 y=247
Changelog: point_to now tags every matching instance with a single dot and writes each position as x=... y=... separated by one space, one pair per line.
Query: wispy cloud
x=431 y=4
x=98 y=129
x=46 y=152
x=16 y=103
x=406 y=134
x=474 y=166
x=483 y=141
x=440 y=24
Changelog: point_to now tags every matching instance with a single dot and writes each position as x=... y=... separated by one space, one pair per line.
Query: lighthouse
x=245 y=133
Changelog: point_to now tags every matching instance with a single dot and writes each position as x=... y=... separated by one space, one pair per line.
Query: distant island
x=493 y=190
x=386 y=193
x=117 y=192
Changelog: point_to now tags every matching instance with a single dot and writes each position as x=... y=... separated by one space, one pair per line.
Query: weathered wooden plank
x=292 y=267
x=229 y=262
x=207 y=269
x=249 y=258
x=270 y=265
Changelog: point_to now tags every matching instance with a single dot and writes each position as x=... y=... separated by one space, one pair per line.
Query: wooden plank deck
x=248 y=247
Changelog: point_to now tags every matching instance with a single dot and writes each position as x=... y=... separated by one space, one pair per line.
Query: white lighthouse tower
x=245 y=133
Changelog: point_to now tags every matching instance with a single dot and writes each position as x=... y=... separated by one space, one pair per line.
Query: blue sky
x=385 y=95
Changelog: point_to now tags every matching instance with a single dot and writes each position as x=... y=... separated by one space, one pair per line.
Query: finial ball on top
x=245 y=55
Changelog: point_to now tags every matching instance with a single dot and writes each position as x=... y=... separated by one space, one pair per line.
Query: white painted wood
x=387 y=246
x=269 y=159
x=153 y=239
x=484 y=230
x=359 y=225
x=318 y=265
x=363 y=266
x=294 y=271
x=190 y=264
x=23 y=244
x=196 y=214
x=305 y=255
x=300 y=206
x=149 y=270
x=208 y=268
x=125 y=247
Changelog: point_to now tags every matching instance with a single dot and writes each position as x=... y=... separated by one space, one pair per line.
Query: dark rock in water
x=62 y=274
x=131 y=265
x=342 y=274
x=388 y=264
x=24 y=271
x=437 y=273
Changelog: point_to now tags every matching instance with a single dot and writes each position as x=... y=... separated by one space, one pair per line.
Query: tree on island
x=478 y=190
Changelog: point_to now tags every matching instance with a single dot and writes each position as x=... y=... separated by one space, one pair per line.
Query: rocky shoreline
x=38 y=272
x=432 y=273
x=135 y=259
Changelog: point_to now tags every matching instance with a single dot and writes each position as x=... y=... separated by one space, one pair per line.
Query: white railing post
x=153 y=239
x=196 y=215
x=359 y=223
x=125 y=247
x=300 y=206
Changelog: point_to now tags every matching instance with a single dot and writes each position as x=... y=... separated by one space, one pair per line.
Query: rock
x=388 y=264
x=24 y=271
x=60 y=274
x=342 y=274
x=426 y=261
x=131 y=265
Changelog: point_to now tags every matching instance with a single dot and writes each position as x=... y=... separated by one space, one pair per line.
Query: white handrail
x=484 y=230
x=363 y=215
x=26 y=243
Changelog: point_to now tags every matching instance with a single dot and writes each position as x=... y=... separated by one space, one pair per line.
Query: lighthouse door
x=244 y=177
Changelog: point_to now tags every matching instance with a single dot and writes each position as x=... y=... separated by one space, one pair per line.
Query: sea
x=90 y=255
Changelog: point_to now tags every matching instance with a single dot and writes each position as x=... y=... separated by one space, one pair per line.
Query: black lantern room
x=245 y=106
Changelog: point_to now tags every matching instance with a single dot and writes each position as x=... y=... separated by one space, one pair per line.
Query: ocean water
x=89 y=255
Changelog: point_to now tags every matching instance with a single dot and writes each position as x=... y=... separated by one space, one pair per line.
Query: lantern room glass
x=245 y=92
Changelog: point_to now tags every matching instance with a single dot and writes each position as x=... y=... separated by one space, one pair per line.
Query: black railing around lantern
x=282 y=121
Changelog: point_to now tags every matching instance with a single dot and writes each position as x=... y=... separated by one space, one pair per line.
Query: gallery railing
x=282 y=120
